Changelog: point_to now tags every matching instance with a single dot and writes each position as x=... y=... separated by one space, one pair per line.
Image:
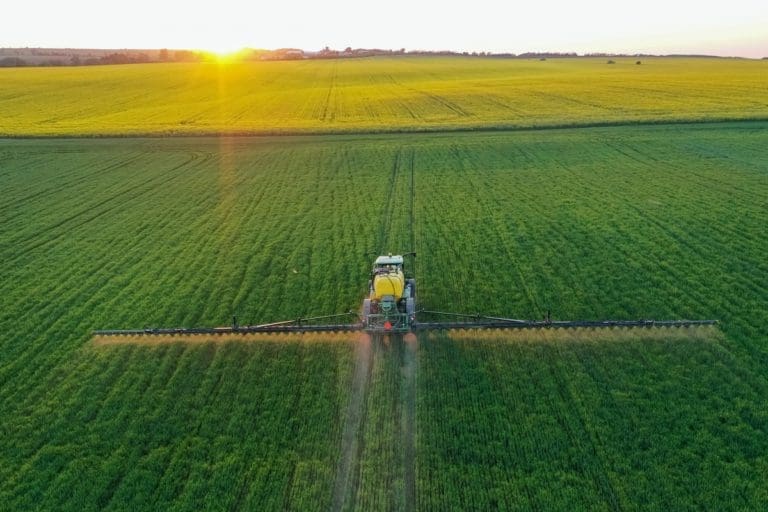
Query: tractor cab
x=387 y=265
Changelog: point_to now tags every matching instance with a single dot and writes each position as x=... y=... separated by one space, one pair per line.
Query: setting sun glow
x=223 y=52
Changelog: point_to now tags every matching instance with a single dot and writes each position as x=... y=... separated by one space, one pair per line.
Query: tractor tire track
x=348 y=478
x=102 y=207
x=412 y=205
x=121 y=163
x=352 y=435
x=409 y=362
x=408 y=370
x=383 y=238
x=328 y=114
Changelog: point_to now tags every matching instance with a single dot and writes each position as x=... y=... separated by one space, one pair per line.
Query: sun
x=223 y=52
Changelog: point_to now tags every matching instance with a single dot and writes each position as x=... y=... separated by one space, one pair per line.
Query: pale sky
x=727 y=28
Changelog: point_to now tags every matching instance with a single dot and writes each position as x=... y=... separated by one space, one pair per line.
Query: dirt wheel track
x=347 y=474
x=408 y=420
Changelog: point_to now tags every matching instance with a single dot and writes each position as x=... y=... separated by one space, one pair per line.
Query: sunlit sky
x=733 y=27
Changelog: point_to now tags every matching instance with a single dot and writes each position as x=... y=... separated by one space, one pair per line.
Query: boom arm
x=474 y=321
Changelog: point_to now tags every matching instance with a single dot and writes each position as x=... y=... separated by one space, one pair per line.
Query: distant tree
x=75 y=60
x=163 y=56
x=114 y=58
x=12 y=62
x=638 y=63
x=185 y=56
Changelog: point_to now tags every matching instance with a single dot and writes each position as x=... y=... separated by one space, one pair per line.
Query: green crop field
x=662 y=221
x=376 y=94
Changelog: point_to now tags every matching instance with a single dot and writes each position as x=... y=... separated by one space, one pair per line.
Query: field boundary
x=426 y=130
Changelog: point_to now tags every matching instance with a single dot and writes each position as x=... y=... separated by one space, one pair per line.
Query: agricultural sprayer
x=391 y=307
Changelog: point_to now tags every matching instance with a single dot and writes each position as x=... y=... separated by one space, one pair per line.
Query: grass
x=622 y=222
x=376 y=95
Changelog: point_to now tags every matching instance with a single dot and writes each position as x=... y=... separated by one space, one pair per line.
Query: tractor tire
x=410 y=306
x=412 y=282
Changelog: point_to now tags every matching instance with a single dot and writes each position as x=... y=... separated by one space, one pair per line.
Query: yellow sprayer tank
x=388 y=283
